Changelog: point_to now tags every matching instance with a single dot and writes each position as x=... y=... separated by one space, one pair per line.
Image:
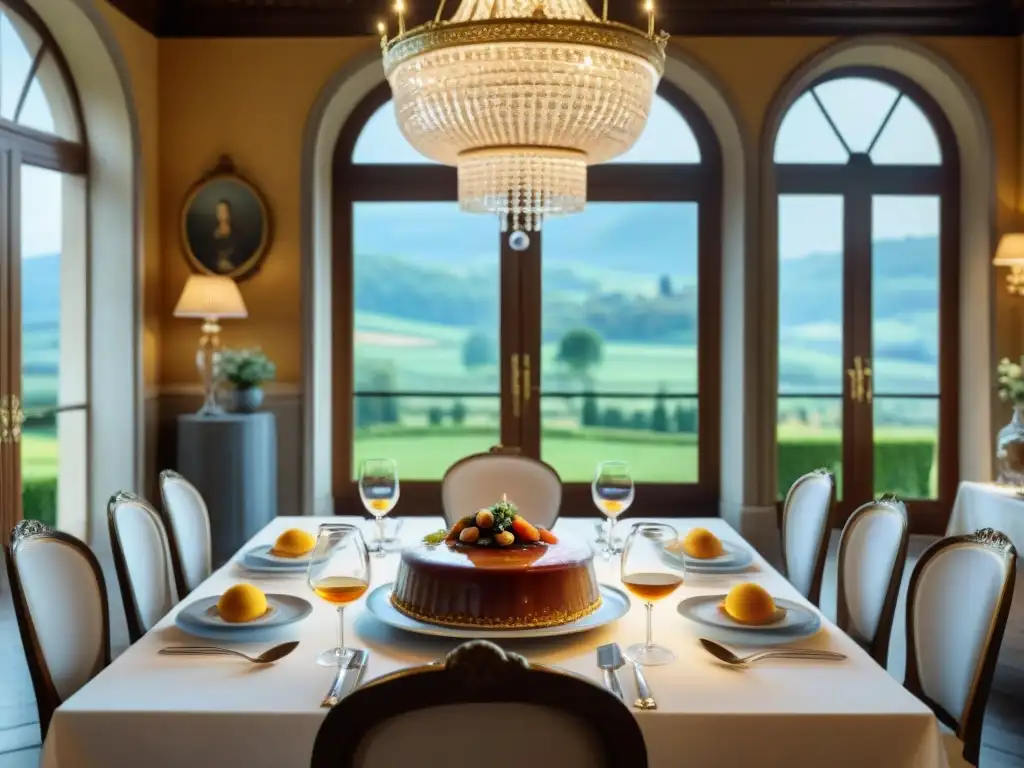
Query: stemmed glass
x=646 y=575
x=339 y=573
x=613 y=493
x=378 y=489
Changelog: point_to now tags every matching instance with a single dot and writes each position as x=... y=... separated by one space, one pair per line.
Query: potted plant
x=247 y=370
x=1010 y=444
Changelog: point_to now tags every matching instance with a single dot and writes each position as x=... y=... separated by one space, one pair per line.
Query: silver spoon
x=267 y=657
x=722 y=653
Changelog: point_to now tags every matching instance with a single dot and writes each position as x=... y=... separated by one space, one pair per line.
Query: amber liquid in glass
x=340 y=590
x=652 y=586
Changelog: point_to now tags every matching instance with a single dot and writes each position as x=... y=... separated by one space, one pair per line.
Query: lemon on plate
x=750 y=603
x=294 y=542
x=702 y=544
x=242 y=603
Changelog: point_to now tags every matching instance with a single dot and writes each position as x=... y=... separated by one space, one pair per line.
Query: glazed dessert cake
x=523 y=586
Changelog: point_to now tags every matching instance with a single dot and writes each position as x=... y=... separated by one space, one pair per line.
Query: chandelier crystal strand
x=521 y=96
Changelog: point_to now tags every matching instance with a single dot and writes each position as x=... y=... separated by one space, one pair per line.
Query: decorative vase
x=1010 y=449
x=248 y=400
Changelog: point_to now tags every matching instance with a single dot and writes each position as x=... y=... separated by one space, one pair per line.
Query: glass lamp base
x=649 y=656
x=335 y=657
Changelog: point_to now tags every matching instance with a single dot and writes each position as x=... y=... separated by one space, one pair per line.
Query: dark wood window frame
x=858 y=183
x=20 y=146
x=699 y=183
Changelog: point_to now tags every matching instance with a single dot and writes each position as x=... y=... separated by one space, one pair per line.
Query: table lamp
x=1010 y=253
x=210 y=298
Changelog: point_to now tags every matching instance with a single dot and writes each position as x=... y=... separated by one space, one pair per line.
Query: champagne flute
x=339 y=573
x=378 y=489
x=646 y=575
x=613 y=493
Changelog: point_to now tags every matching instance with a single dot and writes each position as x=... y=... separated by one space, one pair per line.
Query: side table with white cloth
x=173 y=711
x=990 y=505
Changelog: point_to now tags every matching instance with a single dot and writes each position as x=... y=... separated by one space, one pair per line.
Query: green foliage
x=613 y=418
x=589 y=416
x=659 y=416
x=685 y=419
x=458 y=413
x=39 y=499
x=580 y=350
x=479 y=349
x=378 y=408
x=435 y=416
x=1011 y=381
x=640 y=420
x=246 y=368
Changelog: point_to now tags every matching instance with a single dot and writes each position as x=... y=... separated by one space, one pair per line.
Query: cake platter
x=614 y=605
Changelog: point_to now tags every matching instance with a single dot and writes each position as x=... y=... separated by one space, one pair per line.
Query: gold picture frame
x=225 y=225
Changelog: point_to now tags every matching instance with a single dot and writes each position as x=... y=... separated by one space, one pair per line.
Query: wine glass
x=338 y=572
x=378 y=489
x=646 y=575
x=613 y=493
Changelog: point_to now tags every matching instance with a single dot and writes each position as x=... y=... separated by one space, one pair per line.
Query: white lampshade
x=210 y=296
x=1010 y=252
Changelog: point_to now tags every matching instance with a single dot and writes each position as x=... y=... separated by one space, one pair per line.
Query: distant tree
x=435 y=416
x=479 y=349
x=590 y=416
x=640 y=420
x=458 y=412
x=580 y=350
x=659 y=416
x=382 y=382
x=685 y=419
x=665 y=286
x=613 y=418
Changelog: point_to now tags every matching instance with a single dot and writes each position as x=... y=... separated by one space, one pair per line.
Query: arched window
x=599 y=342
x=43 y=344
x=868 y=189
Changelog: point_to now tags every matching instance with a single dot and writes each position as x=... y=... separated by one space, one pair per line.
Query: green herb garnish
x=436 y=537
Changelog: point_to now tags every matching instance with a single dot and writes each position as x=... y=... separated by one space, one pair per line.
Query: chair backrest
x=872 y=553
x=957 y=605
x=480 y=480
x=142 y=561
x=806 y=524
x=60 y=601
x=571 y=722
x=187 y=523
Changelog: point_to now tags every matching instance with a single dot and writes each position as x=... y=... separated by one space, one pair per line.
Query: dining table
x=153 y=710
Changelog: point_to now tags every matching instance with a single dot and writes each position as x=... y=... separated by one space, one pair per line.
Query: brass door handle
x=514 y=382
x=856 y=375
x=11 y=418
x=868 y=388
x=527 y=376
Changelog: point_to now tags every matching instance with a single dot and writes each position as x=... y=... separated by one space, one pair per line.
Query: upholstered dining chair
x=480 y=480
x=957 y=605
x=806 y=525
x=535 y=716
x=187 y=523
x=142 y=561
x=872 y=553
x=60 y=602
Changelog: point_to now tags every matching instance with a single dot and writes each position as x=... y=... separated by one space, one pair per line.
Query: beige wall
x=251 y=98
x=141 y=52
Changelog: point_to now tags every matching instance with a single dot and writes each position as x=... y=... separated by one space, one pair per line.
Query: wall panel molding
x=341 y=18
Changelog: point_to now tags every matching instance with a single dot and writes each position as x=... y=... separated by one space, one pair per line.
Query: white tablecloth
x=161 y=711
x=987 y=505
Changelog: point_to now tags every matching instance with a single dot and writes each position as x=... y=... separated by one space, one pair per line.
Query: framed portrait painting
x=225 y=224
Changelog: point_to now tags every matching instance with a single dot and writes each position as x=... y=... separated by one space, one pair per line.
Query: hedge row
x=39 y=499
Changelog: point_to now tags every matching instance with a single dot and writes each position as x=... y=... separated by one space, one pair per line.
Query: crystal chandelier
x=521 y=96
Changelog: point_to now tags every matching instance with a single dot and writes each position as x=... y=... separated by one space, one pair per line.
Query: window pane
x=907 y=139
x=905 y=295
x=381 y=141
x=857 y=106
x=35 y=113
x=15 y=60
x=619 y=317
x=906 y=447
x=811 y=294
x=667 y=138
x=806 y=137
x=427 y=305
x=810 y=435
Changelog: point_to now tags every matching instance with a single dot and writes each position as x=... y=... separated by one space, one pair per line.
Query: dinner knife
x=352 y=671
x=609 y=659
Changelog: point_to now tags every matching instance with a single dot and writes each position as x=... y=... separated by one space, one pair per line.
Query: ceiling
x=319 y=18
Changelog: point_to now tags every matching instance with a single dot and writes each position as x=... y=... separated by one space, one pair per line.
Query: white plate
x=251 y=562
x=800 y=623
x=281 y=611
x=263 y=552
x=614 y=605
x=735 y=558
